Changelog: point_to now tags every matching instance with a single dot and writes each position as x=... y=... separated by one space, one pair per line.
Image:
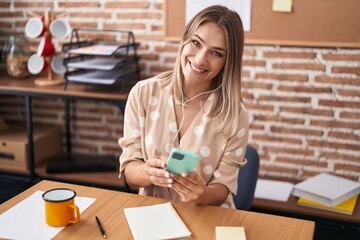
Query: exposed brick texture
x=304 y=103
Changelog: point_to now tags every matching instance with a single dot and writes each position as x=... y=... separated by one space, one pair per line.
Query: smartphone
x=181 y=161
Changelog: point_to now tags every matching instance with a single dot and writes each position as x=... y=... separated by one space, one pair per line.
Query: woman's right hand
x=154 y=168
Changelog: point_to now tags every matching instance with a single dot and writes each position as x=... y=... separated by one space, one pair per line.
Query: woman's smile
x=196 y=69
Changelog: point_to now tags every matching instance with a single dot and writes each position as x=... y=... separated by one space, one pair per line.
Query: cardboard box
x=14 y=147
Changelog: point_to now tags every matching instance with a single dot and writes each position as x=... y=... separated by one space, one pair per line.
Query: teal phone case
x=181 y=161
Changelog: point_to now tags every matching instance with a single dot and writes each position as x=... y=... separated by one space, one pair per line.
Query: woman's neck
x=193 y=91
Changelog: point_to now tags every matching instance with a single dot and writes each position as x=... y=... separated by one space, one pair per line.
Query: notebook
x=159 y=221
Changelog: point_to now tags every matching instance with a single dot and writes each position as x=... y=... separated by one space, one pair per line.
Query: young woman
x=195 y=107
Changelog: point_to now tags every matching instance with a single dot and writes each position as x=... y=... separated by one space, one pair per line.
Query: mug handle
x=77 y=214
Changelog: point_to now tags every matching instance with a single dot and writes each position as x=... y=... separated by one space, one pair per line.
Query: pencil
x=100 y=227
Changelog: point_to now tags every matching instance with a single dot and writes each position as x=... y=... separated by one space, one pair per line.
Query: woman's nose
x=201 y=58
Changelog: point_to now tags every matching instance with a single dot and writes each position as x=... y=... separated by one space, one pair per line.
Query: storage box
x=14 y=147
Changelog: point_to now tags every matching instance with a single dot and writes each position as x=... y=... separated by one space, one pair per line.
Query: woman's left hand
x=190 y=186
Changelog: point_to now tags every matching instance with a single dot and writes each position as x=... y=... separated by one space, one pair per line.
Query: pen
x=100 y=227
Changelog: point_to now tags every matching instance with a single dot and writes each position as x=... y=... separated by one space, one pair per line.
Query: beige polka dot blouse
x=150 y=132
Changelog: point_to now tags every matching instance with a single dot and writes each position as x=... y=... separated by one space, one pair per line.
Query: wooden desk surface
x=28 y=86
x=201 y=220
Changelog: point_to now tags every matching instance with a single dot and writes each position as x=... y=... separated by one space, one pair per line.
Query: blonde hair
x=227 y=104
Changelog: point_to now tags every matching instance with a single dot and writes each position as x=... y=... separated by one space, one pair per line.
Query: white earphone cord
x=183 y=112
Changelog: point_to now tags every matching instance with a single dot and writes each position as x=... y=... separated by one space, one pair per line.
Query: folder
x=346 y=207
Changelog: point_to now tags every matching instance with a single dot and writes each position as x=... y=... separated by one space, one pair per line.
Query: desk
x=201 y=220
x=28 y=89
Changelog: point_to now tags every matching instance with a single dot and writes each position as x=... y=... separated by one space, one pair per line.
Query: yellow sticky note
x=230 y=233
x=282 y=5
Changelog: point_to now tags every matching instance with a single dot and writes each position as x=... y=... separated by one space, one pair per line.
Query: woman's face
x=204 y=56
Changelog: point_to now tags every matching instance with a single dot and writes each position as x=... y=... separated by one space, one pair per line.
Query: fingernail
x=167 y=174
x=170 y=185
x=169 y=180
x=184 y=175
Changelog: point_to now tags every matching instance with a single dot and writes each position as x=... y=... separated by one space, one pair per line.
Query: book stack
x=328 y=192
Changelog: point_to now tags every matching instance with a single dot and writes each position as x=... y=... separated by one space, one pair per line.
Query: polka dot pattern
x=198 y=130
x=241 y=133
x=217 y=174
x=207 y=169
x=168 y=147
x=153 y=101
x=239 y=152
x=173 y=127
x=205 y=119
x=149 y=140
x=135 y=132
x=170 y=101
x=205 y=151
x=155 y=115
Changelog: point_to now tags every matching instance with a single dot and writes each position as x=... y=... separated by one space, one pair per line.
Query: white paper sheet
x=99 y=49
x=242 y=7
x=273 y=190
x=26 y=220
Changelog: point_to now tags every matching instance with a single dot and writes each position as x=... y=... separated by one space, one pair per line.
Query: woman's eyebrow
x=217 y=48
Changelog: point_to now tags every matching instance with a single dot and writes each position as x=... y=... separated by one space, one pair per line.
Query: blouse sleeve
x=233 y=156
x=130 y=143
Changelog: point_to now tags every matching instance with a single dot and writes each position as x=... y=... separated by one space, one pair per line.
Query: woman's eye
x=196 y=43
x=217 y=54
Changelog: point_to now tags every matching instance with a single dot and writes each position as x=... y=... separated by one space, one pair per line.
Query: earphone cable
x=183 y=111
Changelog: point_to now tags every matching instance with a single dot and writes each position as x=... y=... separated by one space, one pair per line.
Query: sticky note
x=230 y=233
x=282 y=5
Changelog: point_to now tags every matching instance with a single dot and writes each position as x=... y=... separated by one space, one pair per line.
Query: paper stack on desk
x=328 y=192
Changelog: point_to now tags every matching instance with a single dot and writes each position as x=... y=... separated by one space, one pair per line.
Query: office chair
x=247 y=179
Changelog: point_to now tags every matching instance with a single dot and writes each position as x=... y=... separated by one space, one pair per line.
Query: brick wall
x=304 y=102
